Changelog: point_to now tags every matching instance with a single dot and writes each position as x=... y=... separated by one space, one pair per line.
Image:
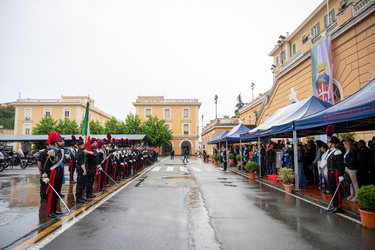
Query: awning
x=282 y=122
x=354 y=113
x=217 y=139
x=235 y=133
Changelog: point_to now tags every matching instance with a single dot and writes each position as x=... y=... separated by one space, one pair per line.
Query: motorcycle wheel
x=2 y=167
x=23 y=164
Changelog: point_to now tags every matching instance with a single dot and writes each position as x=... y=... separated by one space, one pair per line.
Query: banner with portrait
x=321 y=66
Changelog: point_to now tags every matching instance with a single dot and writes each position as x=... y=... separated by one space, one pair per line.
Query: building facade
x=351 y=27
x=181 y=115
x=29 y=112
x=214 y=129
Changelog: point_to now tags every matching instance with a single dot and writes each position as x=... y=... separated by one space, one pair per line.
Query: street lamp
x=216 y=106
x=252 y=89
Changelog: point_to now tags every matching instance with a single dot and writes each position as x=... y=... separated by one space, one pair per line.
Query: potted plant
x=239 y=161
x=207 y=158
x=252 y=167
x=366 y=198
x=286 y=176
x=231 y=158
x=216 y=159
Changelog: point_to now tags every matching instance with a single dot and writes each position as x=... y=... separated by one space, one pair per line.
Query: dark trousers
x=57 y=186
x=91 y=171
x=43 y=188
x=225 y=165
x=81 y=184
x=333 y=178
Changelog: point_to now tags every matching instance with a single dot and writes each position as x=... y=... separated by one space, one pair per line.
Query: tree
x=45 y=126
x=7 y=117
x=239 y=104
x=96 y=128
x=133 y=124
x=67 y=127
x=113 y=126
x=157 y=132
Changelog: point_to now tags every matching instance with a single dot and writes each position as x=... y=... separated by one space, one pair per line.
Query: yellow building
x=181 y=115
x=214 y=129
x=351 y=25
x=29 y=112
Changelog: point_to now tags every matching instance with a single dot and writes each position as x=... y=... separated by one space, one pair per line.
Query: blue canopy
x=217 y=139
x=235 y=133
x=355 y=113
x=283 y=120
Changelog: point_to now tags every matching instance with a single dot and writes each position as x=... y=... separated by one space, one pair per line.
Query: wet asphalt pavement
x=173 y=206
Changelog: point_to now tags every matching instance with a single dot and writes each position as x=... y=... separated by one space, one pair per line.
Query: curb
x=315 y=201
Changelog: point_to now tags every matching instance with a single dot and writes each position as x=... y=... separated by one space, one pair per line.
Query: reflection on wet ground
x=21 y=211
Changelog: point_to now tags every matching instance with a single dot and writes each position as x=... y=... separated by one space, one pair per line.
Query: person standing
x=364 y=163
x=91 y=165
x=53 y=175
x=301 y=172
x=350 y=162
x=42 y=158
x=172 y=154
x=335 y=172
x=72 y=161
x=224 y=158
x=185 y=152
x=81 y=172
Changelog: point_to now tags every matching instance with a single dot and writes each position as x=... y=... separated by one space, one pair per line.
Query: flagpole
x=86 y=130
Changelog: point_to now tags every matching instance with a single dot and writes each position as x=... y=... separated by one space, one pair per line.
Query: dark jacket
x=364 y=160
x=350 y=160
x=335 y=160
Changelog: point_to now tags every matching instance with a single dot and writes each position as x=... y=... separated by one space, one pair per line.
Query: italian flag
x=86 y=129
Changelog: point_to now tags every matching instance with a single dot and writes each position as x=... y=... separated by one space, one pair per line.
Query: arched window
x=337 y=91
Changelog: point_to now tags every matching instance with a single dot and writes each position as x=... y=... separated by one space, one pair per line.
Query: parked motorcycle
x=2 y=162
x=15 y=159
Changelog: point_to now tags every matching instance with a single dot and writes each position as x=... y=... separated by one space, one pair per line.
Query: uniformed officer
x=91 y=165
x=335 y=166
x=81 y=172
x=40 y=163
x=53 y=169
x=72 y=161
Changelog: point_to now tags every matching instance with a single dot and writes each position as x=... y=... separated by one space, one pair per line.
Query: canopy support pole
x=295 y=153
x=260 y=158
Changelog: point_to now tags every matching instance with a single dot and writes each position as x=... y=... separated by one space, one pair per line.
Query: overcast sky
x=116 y=50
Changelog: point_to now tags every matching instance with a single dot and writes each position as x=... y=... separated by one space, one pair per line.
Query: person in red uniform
x=335 y=166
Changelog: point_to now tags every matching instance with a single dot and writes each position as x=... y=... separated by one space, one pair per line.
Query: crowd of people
x=105 y=161
x=347 y=163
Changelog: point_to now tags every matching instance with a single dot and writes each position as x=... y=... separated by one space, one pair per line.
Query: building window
x=330 y=20
x=47 y=111
x=186 y=113
x=169 y=126
x=315 y=30
x=277 y=61
x=66 y=113
x=304 y=39
x=337 y=91
x=282 y=56
x=148 y=113
x=27 y=129
x=294 y=48
x=186 y=129
x=28 y=113
x=167 y=113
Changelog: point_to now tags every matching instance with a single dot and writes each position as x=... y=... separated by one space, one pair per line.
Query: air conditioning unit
x=27 y=118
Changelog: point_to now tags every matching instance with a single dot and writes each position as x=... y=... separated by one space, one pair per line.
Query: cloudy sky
x=116 y=50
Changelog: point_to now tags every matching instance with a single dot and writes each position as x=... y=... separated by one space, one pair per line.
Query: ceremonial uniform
x=335 y=166
x=81 y=174
x=72 y=161
x=91 y=165
x=43 y=186
x=54 y=167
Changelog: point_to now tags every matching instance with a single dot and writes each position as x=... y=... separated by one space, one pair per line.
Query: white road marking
x=183 y=169
x=156 y=169
x=196 y=169
x=170 y=168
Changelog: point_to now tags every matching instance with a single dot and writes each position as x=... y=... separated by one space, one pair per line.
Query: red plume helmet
x=53 y=137
x=74 y=138
x=330 y=130
x=109 y=136
x=80 y=138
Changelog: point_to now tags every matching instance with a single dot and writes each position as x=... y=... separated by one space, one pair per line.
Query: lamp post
x=252 y=89
x=216 y=106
